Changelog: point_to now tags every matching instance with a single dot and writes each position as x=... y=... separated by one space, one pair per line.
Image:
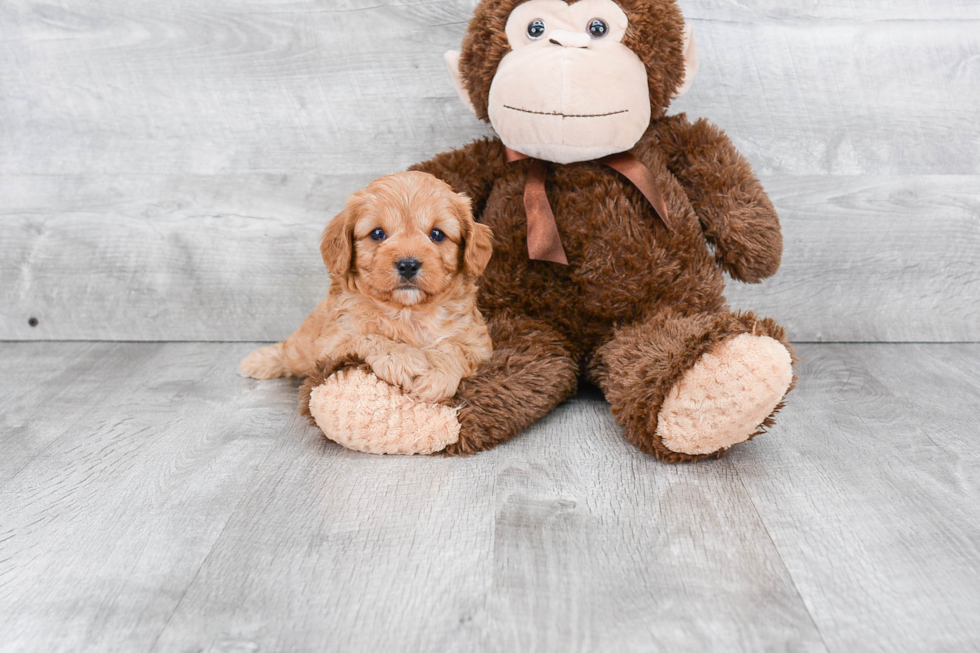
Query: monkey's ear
x=452 y=62
x=337 y=246
x=691 y=62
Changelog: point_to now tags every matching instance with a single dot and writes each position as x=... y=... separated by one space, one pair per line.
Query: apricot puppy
x=404 y=257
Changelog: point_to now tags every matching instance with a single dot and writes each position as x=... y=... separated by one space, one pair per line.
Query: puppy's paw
x=399 y=367
x=264 y=363
x=434 y=386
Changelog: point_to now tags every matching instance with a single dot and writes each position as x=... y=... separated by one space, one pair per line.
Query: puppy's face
x=407 y=239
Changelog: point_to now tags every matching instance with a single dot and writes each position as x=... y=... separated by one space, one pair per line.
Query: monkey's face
x=569 y=90
x=573 y=80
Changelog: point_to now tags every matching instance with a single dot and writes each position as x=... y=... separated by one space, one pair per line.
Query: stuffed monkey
x=603 y=209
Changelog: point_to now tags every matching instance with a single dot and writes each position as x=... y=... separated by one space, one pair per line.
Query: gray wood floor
x=165 y=169
x=151 y=500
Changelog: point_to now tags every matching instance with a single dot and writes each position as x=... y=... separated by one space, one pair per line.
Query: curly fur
x=424 y=333
x=639 y=304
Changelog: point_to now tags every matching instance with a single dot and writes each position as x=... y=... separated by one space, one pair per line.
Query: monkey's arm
x=736 y=214
x=470 y=169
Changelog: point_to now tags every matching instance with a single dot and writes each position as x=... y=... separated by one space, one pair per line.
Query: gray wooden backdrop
x=166 y=167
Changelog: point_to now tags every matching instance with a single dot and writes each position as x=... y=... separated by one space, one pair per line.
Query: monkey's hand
x=736 y=214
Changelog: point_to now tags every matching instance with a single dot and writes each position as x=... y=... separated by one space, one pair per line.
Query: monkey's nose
x=570 y=39
x=408 y=267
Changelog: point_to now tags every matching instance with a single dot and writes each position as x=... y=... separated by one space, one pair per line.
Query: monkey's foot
x=727 y=396
x=359 y=411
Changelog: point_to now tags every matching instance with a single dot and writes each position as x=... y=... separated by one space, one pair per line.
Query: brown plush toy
x=603 y=209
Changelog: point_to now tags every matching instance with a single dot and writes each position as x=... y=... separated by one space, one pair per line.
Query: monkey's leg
x=530 y=373
x=689 y=388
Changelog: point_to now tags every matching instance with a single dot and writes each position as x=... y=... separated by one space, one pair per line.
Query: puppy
x=403 y=257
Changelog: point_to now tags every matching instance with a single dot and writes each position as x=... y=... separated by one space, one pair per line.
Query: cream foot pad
x=359 y=411
x=726 y=396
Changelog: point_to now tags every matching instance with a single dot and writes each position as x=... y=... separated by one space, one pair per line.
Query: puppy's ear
x=337 y=245
x=477 y=239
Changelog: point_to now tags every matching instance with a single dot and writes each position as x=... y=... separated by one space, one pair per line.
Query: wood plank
x=843 y=98
x=227 y=86
x=565 y=539
x=105 y=528
x=147 y=258
x=29 y=366
x=235 y=257
x=131 y=136
x=338 y=551
x=870 y=493
x=46 y=387
x=598 y=547
x=874 y=259
x=148 y=87
x=195 y=511
x=829 y=10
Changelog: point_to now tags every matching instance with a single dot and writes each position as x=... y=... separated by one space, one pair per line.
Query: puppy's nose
x=408 y=267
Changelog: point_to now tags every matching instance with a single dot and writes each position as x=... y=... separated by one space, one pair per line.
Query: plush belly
x=623 y=262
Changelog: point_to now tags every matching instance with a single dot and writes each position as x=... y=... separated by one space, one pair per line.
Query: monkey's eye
x=536 y=29
x=378 y=234
x=437 y=236
x=598 y=28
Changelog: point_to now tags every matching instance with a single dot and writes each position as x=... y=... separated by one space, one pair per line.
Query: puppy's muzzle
x=408 y=268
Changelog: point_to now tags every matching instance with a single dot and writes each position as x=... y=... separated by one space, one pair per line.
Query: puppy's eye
x=598 y=28
x=378 y=234
x=437 y=236
x=536 y=29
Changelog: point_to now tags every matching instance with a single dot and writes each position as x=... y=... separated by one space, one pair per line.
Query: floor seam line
x=779 y=554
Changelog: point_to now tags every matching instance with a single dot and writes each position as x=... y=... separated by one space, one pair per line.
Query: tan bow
x=543 y=239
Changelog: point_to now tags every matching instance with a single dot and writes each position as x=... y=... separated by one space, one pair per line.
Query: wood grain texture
x=881 y=11
x=174 y=258
x=355 y=553
x=165 y=167
x=195 y=511
x=850 y=97
x=235 y=257
x=69 y=376
x=874 y=506
x=138 y=459
x=359 y=86
x=598 y=547
x=874 y=259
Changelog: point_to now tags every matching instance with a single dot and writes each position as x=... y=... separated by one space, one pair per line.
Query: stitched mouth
x=567 y=115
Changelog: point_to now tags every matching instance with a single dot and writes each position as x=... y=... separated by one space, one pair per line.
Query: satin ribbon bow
x=543 y=239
